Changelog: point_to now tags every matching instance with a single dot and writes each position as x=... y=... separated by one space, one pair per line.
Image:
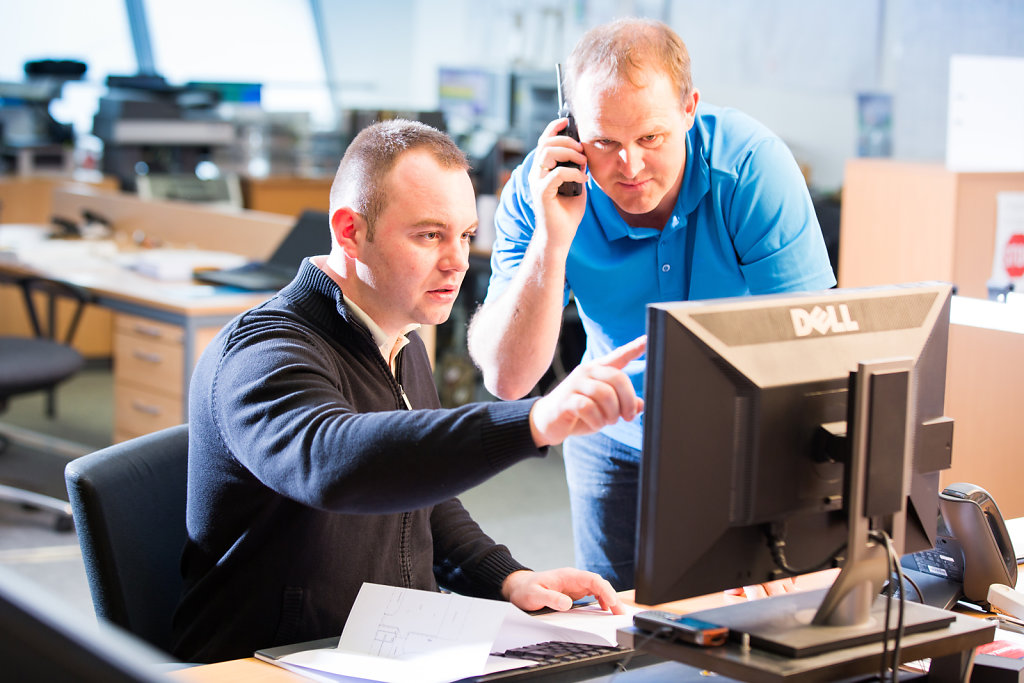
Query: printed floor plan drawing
x=415 y=622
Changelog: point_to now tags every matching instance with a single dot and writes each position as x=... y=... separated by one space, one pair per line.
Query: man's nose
x=632 y=161
x=456 y=256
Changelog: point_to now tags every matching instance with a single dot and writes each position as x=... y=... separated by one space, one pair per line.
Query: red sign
x=1013 y=256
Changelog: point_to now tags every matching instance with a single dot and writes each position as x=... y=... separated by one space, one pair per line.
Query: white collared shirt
x=388 y=347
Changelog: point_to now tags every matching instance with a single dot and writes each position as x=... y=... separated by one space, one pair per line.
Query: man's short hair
x=361 y=180
x=627 y=49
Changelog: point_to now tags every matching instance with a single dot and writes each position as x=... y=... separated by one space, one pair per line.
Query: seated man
x=319 y=457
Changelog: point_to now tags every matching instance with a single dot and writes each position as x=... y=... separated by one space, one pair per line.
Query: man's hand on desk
x=557 y=588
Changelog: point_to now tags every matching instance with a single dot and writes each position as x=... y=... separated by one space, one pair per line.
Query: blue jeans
x=603 y=477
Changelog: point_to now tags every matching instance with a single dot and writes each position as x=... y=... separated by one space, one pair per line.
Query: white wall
x=797 y=65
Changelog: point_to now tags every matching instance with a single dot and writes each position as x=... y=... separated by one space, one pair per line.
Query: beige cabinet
x=908 y=222
x=149 y=360
x=287 y=195
x=153 y=364
x=984 y=396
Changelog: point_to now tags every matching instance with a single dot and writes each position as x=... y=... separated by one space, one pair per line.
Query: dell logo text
x=823 y=320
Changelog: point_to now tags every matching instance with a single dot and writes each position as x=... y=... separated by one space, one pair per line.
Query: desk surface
x=99 y=267
x=252 y=669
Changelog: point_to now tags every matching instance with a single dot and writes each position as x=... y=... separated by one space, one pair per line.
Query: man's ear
x=348 y=230
x=690 y=107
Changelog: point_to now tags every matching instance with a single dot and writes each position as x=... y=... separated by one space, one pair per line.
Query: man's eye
x=468 y=235
x=650 y=139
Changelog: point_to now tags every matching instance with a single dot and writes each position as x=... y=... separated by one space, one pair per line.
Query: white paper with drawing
x=399 y=635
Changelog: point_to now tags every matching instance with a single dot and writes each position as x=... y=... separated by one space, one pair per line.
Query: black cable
x=883 y=662
x=894 y=567
x=903 y=603
x=917 y=589
x=913 y=584
x=777 y=546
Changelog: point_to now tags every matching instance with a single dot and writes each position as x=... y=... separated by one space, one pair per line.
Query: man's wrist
x=508 y=586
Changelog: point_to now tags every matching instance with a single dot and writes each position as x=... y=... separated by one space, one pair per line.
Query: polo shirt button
x=665 y=268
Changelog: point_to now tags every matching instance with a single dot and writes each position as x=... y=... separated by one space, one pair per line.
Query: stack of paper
x=398 y=635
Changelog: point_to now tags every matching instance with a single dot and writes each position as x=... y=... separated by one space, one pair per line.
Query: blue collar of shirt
x=696 y=184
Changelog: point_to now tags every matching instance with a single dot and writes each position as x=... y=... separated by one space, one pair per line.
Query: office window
x=271 y=42
x=94 y=32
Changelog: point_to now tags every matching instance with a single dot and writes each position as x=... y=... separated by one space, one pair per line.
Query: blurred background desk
x=158 y=327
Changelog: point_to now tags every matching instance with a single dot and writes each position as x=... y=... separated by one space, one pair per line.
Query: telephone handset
x=572 y=189
x=972 y=550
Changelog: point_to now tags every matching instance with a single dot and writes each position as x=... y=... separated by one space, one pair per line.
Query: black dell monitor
x=781 y=433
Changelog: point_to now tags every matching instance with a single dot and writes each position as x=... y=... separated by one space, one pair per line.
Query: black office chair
x=129 y=507
x=40 y=363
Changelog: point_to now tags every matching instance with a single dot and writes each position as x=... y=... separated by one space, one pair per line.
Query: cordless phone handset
x=571 y=189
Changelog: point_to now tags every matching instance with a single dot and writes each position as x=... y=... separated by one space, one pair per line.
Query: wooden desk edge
x=252 y=669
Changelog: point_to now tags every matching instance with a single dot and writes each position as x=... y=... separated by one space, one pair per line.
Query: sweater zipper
x=404 y=558
x=404 y=554
x=401 y=389
x=383 y=365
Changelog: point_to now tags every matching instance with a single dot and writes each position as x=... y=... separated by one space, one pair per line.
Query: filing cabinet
x=149 y=371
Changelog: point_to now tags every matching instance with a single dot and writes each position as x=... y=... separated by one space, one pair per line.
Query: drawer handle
x=148 y=330
x=148 y=357
x=147 y=409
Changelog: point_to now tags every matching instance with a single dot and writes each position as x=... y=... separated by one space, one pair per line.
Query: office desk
x=255 y=671
x=159 y=330
x=160 y=327
x=965 y=630
x=29 y=199
x=252 y=669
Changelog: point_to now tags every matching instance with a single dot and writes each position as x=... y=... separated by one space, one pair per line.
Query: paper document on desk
x=400 y=635
x=179 y=264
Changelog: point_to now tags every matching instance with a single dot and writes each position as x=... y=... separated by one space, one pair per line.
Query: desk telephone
x=972 y=550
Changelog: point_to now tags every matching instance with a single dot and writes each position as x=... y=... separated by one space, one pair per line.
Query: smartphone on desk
x=567 y=189
x=680 y=628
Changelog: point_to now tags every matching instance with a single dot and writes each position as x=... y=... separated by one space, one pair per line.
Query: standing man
x=682 y=200
x=319 y=457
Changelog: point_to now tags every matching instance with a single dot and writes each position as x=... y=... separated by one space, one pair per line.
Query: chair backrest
x=53 y=290
x=128 y=502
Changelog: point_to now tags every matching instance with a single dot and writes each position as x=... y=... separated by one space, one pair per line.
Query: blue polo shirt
x=743 y=224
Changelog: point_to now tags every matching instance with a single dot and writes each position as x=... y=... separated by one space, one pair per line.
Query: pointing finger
x=619 y=357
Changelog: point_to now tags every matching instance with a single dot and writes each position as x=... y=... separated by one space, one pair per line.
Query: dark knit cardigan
x=307 y=476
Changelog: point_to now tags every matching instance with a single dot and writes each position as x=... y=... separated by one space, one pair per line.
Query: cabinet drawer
x=138 y=411
x=145 y=328
x=149 y=363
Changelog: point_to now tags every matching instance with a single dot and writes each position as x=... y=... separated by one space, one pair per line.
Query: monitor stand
x=950 y=649
x=783 y=623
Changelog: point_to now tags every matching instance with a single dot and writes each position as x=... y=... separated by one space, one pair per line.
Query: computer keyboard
x=558 y=651
x=566 y=661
